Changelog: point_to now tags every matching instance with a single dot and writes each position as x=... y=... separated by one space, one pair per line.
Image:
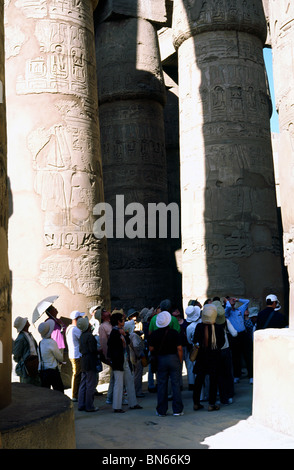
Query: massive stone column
x=54 y=158
x=230 y=239
x=282 y=38
x=5 y=307
x=131 y=99
x=273 y=348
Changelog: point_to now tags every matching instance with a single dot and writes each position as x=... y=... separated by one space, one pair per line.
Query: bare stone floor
x=232 y=427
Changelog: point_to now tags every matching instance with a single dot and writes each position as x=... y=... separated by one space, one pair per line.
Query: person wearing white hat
x=73 y=334
x=50 y=358
x=25 y=347
x=95 y=319
x=193 y=317
x=165 y=343
x=270 y=317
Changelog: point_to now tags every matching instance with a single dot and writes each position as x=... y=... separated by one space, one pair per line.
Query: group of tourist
x=219 y=333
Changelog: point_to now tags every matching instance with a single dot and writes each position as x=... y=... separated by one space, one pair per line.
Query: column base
x=273 y=404
x=37 y=418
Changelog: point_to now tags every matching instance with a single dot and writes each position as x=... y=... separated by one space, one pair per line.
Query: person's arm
x=57 y=353
x=228 y=309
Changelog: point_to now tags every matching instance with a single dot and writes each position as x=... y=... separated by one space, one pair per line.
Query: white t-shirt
x=73 y=334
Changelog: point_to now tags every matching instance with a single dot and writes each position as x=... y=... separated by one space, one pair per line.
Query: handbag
x=31 y=366
x=194 y=352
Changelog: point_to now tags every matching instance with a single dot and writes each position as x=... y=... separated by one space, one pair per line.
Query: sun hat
x=76 y=314
x=192 y=313
x=20 y=323
x=253 y=311
x=92 y=309
x=45 y=329
x=163 y=319
x=131 y=312
x=83 y=324
x=209 y=313
x=220 y=318
x=274 y=298
x=129 y=326
x=116 y=310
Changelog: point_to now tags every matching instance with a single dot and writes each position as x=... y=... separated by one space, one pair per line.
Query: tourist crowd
x=214 y=340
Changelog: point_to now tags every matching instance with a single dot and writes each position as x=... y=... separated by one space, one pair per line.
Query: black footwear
x=93 y=409
x=118 y=410
x=197 y=407
x=152 y=390
x=82 y=409
x=98 y=394
x=136 y=407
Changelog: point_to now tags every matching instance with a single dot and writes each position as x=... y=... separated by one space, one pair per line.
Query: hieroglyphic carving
x=229 y=175
x=81 y=275
x=66 y=61
x=66 y=174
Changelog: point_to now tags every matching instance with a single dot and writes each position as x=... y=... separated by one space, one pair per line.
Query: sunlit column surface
x=54 y=156
x=230 y=238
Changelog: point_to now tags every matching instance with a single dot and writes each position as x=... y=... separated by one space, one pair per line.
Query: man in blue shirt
x=240 y=345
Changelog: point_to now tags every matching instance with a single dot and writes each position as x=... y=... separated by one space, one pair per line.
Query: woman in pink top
x=59 y=327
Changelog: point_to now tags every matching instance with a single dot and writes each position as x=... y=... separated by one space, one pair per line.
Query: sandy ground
x=232 y=427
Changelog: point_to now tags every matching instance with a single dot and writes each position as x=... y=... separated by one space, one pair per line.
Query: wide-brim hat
x=220 y=318
x=45 y=329
x=131 y=312
x=129 y=326
x=20 y=323
x=83 y=324
x=193 y=313
x=209 y=313
x=253 y=311
x=163 y=319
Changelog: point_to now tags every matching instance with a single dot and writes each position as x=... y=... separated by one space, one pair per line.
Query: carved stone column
x=54 y=156
x=131 y=98
x=230 y=238
x=5 y=307
x=282 y=36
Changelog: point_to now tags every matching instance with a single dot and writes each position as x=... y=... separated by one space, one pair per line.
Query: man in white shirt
x=73 y=334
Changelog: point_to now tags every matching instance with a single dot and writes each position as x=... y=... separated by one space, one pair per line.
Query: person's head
x=176 y=313
x=253 y=312
x=232 y=300
x=45 y=329
x=105 y=316
x=117 y=319
x=83 y=324
x=193 y=313
x=52 y=311
x=163 y=319
x=207 y=301
x=165 y=305
x=273 y=301
x=132 y=314
x=93 y=310
x=209 y=314
x=75 y=315
x=21 y=324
